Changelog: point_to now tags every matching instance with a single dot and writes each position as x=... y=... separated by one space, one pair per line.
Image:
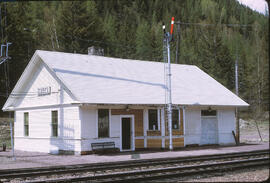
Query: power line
x=23 y=94
x=178 y=22
x=203 y=24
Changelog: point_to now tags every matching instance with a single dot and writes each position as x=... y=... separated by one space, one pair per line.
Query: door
x=209 y=130
x=126 y=133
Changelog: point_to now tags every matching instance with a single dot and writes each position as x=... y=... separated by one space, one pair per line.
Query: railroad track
x=142 y=170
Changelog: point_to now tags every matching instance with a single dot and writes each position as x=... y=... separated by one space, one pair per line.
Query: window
x=54 y=123
x=153 y=119
x=175 y=119
x=103 y=123
x=26 y=124
x=209 y=113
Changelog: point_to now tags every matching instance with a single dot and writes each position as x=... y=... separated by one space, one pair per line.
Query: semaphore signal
x=168 y=93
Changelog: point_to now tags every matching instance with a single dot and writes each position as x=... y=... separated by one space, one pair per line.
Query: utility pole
x=259 y=99
x=167 y=40
x=4 y=58
x=236 y=92
x=177 y=44
x=57 y=43
x=236 y=76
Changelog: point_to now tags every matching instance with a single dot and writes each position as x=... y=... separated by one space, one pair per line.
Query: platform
x=35 y=159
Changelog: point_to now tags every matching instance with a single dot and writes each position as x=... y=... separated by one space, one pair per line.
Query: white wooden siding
x=46 y=145
x=115 y=126
x=88 y=119
x=192 y=126
x=40 y=139
x=226 y=124
x=89 y=132
x=42 y=78
x=86 y=143
x=78 y=128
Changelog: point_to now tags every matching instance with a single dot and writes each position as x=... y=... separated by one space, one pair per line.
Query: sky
x=257 y=5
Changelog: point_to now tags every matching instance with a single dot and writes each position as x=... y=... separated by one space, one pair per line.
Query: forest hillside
x=213 y=34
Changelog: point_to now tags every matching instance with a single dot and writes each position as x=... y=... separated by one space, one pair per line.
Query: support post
x=11 y=136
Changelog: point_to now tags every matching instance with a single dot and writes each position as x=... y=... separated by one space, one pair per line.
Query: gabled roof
x=104 y=80
x=24 y=79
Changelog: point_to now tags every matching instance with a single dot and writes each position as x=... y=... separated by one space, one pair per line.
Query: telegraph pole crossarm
x=3 y=59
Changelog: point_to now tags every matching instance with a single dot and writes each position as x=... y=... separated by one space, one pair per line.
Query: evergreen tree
x=76 y=23
x=132 y=29
x=143 y=45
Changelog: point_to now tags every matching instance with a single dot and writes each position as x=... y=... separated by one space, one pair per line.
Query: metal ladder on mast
x=165 y=59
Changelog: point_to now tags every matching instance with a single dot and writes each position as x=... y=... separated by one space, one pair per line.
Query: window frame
x=208 y=113
x=26 y=126
x=109 y=122
x=158 y=119
x=54 y=124
x=179 y=119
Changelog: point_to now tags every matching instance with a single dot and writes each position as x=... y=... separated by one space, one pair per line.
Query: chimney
x=95 y=51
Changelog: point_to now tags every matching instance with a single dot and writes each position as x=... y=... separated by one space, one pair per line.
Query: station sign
x=44 y=91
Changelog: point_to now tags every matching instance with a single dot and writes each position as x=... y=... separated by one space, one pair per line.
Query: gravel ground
x=34 y=159
x=245 y=175
x=248 y=134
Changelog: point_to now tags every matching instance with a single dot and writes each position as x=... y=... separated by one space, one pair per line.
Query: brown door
x=126 y=133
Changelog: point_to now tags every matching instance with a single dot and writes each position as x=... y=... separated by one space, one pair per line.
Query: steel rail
x=31 y=172
x=161 y=173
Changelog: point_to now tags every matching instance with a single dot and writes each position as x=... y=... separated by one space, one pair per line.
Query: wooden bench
x=103 y=146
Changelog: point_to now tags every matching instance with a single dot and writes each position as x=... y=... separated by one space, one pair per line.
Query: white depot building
x=66 y=102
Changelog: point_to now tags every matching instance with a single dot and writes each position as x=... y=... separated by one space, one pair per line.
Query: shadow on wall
x=64 y=143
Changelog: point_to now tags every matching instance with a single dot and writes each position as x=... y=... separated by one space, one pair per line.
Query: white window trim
x=97 y=124
x=179 y=118
x=24 y=125
x=158 y=119
x=57 y=124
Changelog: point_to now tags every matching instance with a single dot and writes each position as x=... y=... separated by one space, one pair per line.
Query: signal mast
x=166 y=47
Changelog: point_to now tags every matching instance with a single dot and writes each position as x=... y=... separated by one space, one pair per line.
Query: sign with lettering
x=44 y=91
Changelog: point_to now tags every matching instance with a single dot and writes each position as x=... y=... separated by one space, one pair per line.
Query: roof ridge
x=116 y=59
